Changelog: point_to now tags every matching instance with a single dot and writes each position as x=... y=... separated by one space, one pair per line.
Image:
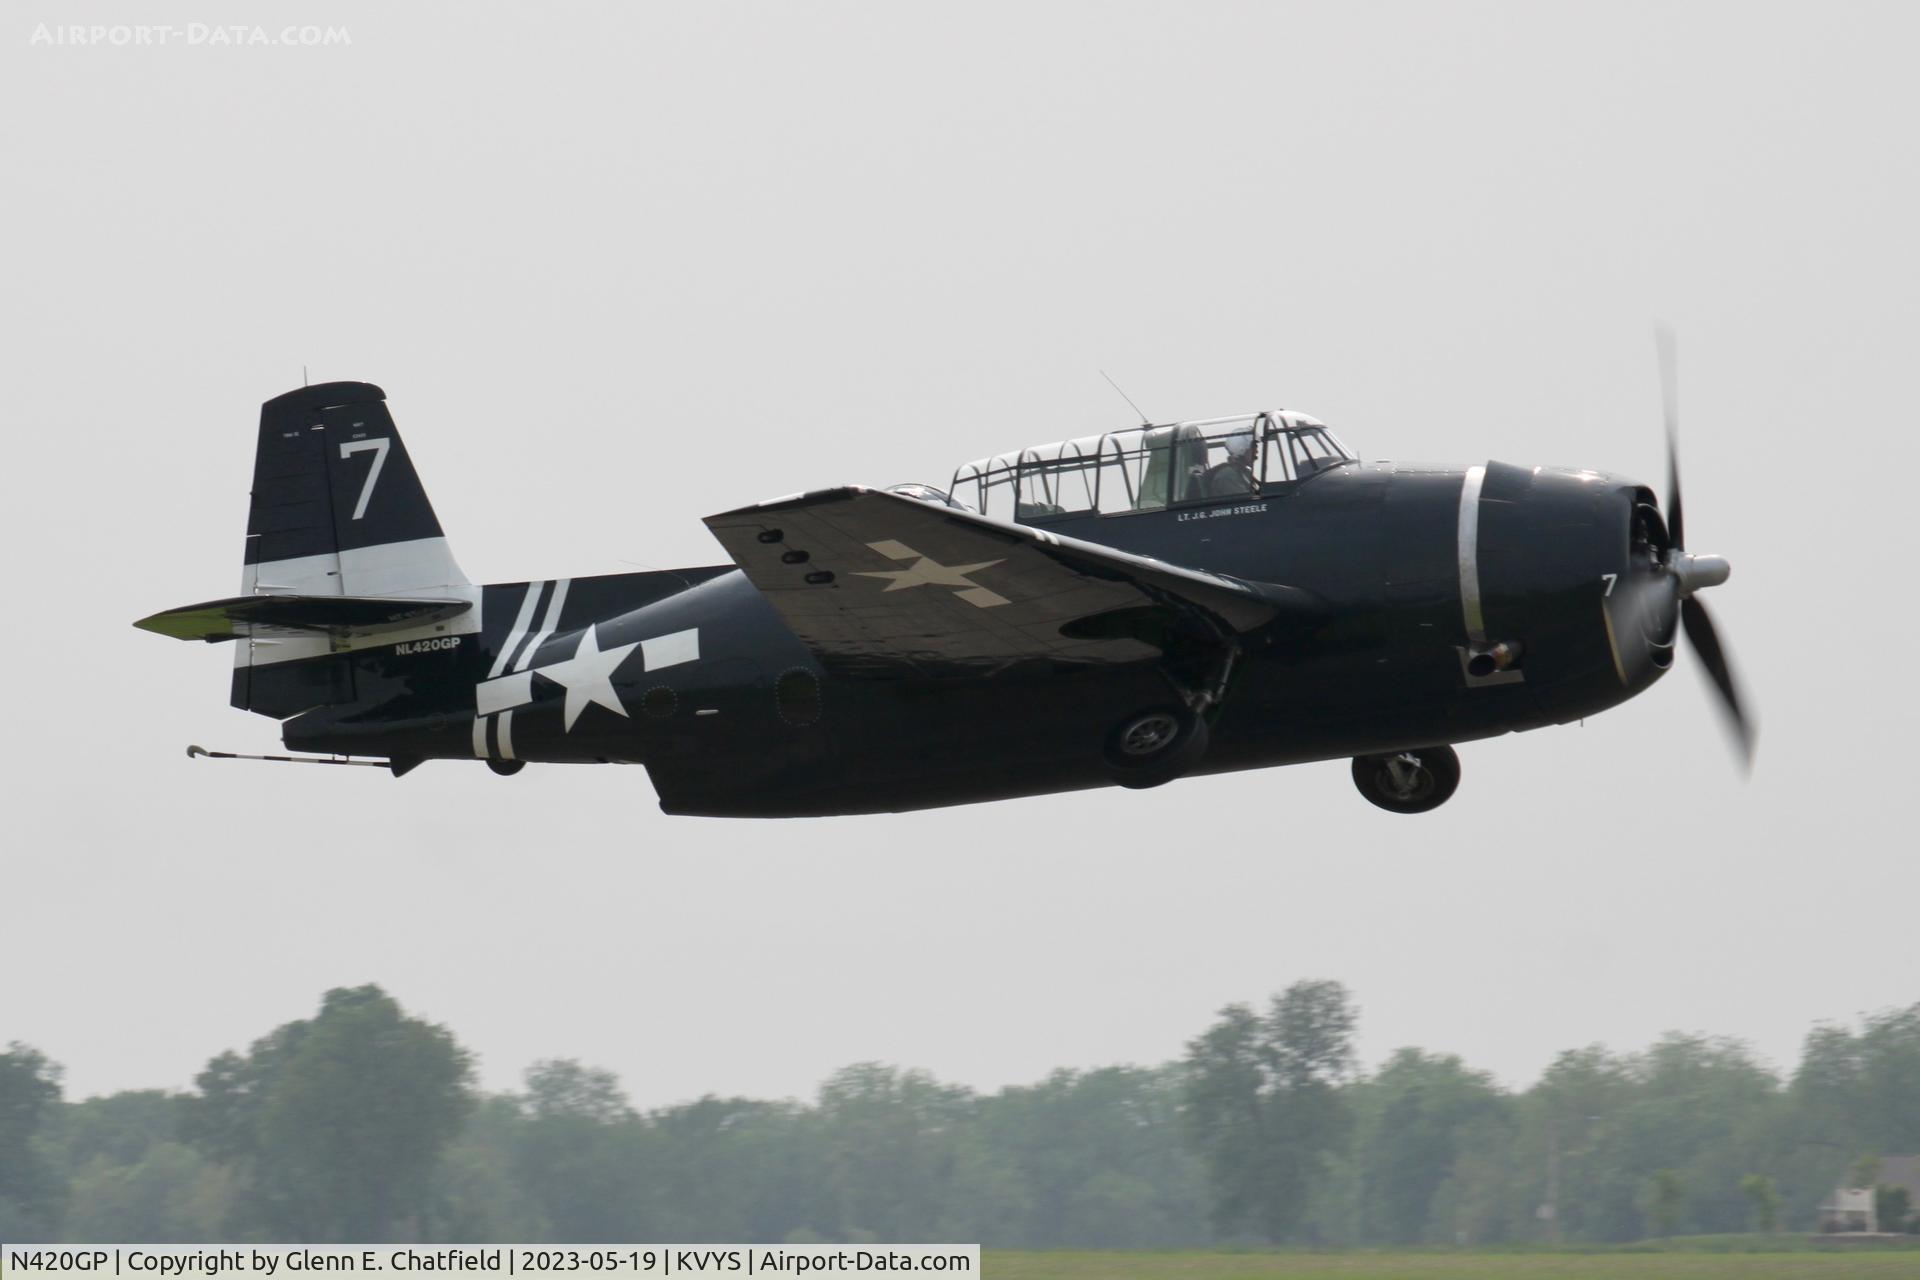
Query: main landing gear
x=1408 y=781
x=1155 y=746
x=1158 y=744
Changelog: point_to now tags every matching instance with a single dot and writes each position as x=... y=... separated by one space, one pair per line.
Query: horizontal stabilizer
x=240 y=616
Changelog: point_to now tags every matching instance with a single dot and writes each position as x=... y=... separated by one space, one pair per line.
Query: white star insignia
x=588 y=675
x=927 y=572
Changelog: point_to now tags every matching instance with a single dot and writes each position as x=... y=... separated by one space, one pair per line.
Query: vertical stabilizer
x=337 y=507
x=337 y=510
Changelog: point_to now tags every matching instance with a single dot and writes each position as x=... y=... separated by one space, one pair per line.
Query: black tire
x=1408 y=781
x=1155 y=745
x=505 y=768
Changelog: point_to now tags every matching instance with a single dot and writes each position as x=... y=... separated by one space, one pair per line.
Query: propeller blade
x=1663 y=342
x=1706 y=642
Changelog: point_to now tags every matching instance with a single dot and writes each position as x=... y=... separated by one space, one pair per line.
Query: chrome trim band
x=1470 y=555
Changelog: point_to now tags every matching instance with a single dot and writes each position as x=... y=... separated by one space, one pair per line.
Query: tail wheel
x=1408 y=781
x=1155 y=746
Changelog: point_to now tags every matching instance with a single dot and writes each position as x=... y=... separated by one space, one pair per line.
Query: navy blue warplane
x=1189 y=597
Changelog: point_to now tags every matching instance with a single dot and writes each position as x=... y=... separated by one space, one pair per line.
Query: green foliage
x=1666 y=1194
x=359 y=1123
x=32 y=1194
x=477 y=1193
x=1697 y=1106
x=889 y=1138
x=1419 y=1115
x=171 y=1193
x=335 y=1125
x=1764 y=1198
x=1085 y=1158
x=31 y=1190
x=128 y=1174
x=1856 y=1092
x=1264 y=1104
x=117 y=1130
x=1893 y=1208
x=575 y=1150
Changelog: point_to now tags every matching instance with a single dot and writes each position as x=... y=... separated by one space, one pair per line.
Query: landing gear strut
x=1408 y=781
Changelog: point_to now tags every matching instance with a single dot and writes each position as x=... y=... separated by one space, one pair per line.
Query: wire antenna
x=1145 y=421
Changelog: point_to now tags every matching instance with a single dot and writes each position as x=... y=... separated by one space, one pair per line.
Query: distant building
x=1849 y=1210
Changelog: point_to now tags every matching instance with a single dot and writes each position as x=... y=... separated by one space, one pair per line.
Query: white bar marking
x=521 y=622
x=508 y=691
x=671 y=650
x=1469 y=554
x=549 y=620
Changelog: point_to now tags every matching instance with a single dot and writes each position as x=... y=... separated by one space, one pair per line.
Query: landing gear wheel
x=1408 y=781
x=1155 y=746
x=506 y=768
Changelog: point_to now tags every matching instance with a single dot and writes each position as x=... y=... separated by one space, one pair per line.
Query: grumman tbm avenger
x=1170 y=599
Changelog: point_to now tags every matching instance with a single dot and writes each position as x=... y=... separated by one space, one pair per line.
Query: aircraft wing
x=873 y=582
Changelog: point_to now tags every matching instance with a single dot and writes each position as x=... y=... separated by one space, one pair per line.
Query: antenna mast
x=1145 y=421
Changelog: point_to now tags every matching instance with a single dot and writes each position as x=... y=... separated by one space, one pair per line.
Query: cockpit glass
x=1312 y=451
x=1151 y=468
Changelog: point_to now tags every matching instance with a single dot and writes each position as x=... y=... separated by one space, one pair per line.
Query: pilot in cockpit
x=1233 y=475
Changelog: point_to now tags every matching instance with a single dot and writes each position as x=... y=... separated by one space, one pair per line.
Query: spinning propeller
x=1659 y=592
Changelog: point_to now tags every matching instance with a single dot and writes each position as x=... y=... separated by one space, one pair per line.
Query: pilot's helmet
x=1240 y=447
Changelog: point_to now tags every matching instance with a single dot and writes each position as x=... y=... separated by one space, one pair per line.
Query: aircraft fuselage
x=1417 y=571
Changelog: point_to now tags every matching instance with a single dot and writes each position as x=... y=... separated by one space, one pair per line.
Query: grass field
x=1363 y=1264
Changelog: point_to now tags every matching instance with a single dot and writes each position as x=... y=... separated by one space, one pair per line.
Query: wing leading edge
x=876 y=583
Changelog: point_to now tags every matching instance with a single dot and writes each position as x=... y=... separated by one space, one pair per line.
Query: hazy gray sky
x=619 y=267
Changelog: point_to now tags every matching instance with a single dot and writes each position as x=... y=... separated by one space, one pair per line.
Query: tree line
x=363 y=1123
